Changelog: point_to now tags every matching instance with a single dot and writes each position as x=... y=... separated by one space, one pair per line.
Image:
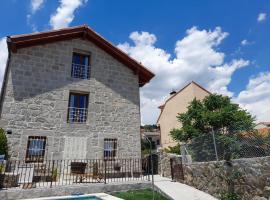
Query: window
x=158 y=143
x=35 y=149
x=77 y=109
x=110 y=148
x=80 y=66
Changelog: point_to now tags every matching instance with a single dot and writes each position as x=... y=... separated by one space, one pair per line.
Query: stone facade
x=253 y=182
x=37 y=93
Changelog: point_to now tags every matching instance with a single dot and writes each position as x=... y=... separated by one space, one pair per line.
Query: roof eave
x=84 y=32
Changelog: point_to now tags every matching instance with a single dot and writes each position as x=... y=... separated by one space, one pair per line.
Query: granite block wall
x=253 y=181
x=37 y=93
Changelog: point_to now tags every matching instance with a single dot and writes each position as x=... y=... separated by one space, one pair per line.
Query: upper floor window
x=35 y=149
x=77 y=109
x=80 y=66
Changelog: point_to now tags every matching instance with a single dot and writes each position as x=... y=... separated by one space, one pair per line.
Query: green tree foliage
x=175 y=149
x=149 y=127
x=145 y=146
x=215 y=112
x=3 y=143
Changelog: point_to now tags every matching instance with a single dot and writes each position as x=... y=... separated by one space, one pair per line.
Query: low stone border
x=102 y=196
x=12 y=194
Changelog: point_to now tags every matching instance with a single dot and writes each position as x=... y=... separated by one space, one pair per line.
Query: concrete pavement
x=179 y=191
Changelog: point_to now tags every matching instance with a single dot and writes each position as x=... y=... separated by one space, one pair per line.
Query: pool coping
x=16 y=193
x=102 y=196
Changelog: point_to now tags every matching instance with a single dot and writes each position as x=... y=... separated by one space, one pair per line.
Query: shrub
x=174 y=149
x=3 y=143
x=230 y=196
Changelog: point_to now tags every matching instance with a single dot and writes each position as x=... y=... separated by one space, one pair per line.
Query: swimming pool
x=96 y=196
x=81 y=198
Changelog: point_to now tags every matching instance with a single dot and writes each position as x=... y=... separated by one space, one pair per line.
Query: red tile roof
x=22 y=41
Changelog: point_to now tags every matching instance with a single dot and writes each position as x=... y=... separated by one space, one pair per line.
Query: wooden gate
x=177 y=169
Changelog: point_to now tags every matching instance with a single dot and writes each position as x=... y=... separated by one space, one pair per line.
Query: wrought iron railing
x=50 y=173
x=80 y=71
x=77 y=115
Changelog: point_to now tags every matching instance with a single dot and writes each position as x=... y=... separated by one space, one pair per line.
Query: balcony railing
x=80 y=71
x=77 y=115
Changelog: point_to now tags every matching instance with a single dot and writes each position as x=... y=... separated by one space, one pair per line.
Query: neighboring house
x=70 y=94
x=175 y=104
x=261 y=125
x=153 y=135
x=263 y=128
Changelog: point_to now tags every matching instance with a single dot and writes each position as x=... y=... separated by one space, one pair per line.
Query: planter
x=9 y=180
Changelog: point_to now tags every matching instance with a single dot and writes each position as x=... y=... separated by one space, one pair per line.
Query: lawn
x=145 y=194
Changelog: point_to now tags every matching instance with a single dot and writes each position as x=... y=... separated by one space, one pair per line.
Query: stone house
x=69 y=94
x=175 y=104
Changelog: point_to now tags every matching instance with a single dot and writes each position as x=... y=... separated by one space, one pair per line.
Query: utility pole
x=152 y=167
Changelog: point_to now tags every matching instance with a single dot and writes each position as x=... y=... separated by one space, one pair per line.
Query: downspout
x=3 y=89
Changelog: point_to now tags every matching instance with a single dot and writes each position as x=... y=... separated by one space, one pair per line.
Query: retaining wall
x=253 y=181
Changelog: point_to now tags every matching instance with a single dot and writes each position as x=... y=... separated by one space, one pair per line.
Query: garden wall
x=253 y=180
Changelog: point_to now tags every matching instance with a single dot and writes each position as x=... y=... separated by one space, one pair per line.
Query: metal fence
x=52 y=173
x=216 y=146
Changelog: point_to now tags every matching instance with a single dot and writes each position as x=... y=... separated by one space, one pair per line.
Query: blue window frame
x=80 y=66
x=78 y=107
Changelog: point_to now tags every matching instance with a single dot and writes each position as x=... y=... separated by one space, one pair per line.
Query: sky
x=222 y=45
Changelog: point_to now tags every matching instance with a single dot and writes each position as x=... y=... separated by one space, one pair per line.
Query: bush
x=229 y=196
x=3 y=143
x=174 y=149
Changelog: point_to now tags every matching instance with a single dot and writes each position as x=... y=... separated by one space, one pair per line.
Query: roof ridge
x=82 y=31
x=172 y=96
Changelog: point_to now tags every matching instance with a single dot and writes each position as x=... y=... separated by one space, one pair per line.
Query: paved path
x=179 y=191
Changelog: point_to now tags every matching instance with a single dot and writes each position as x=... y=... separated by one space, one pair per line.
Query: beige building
x=177 y=103
x=261 y=125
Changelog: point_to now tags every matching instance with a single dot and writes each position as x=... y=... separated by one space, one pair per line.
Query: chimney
x=172 y=92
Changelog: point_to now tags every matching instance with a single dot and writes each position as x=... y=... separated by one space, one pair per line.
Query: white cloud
x=245 y=42
x=65 y=13
x=256 y=97
x=261 y=17
x=36 y=5
x=3 y=58
x=196 y=58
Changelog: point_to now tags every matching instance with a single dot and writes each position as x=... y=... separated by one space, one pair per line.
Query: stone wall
x=164 y=165
x=253 y=181
x=37 y=94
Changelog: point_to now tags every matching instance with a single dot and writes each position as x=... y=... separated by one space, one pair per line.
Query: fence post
x=215 y=145
x=105 y=174
x=52 y=173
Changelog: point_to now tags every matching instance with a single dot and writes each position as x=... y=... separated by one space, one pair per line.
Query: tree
x=3 y=143
x=149 y=127
x=213 y=113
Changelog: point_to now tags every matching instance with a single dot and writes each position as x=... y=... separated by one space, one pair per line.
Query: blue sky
x=227 y=39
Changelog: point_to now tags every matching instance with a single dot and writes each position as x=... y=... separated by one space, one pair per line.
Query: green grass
x=145 y=194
